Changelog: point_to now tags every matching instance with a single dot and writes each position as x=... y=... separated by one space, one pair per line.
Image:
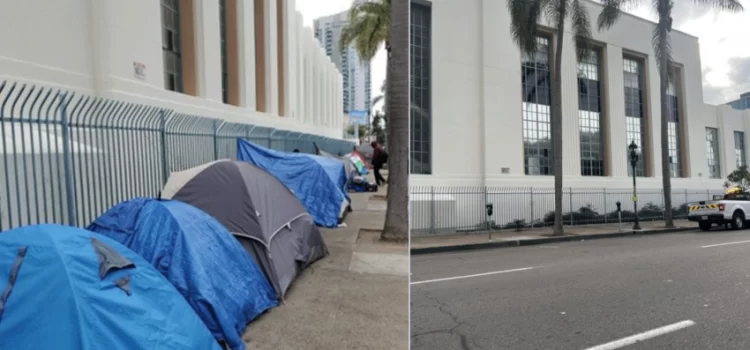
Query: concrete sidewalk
x=356 y=298
x=428 y=244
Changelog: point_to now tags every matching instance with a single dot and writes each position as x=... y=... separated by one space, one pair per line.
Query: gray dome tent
x=267 y=219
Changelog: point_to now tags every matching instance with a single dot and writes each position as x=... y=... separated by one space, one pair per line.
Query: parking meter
x=488 y=207
x=619 y=209
x=619 y=214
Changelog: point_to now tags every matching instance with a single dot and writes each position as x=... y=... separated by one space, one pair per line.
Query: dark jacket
x=377 y=152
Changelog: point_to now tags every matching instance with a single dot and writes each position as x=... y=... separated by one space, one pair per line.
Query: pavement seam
x=540 y=241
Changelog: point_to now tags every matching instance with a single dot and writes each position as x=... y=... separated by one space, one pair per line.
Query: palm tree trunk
x=557 y=135
x=397 y=74
x=664 y=84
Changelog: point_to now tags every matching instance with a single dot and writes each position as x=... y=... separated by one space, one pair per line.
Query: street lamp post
x=633 y=162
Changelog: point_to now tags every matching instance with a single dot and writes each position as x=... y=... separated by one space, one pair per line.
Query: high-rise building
x=742 y=103
x=355 y=72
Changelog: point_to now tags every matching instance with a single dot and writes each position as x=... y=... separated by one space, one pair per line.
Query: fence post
x=606 y=213
x=66 y=160
x=531 y=201
x=486 y=216
x=432 y=209
x=707 y=194
x=571 y=206
x=163 y=140
x=686 y=196
x=216 y=139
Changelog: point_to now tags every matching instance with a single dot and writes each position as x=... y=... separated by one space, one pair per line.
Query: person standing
x=379 y=157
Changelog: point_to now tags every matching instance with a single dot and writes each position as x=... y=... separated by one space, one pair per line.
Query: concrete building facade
x=243 y=61
x=356 y=73
x=481 y=109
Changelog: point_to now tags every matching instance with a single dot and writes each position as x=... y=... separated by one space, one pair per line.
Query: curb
x=538 y=241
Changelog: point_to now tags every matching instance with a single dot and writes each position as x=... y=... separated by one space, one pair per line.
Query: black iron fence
x=447 y=209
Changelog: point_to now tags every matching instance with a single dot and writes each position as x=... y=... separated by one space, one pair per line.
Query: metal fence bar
x=446 y=209
x=68 y=157
x=67 y=161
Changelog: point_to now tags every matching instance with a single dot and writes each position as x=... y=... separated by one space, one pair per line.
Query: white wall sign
x=139 y=70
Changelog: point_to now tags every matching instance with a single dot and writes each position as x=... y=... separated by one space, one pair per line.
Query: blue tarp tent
x=198 y=256
x=318 y=182
x=70 y=289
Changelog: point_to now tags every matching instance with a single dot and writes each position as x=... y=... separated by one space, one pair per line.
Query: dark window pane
x=170 y=45
x=589 y=118
x=420 y=117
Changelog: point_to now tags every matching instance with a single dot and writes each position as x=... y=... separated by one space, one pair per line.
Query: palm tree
x=367 y=29
x=397 y=109
x=525 y=17
x=372 y=23
x=663 y=52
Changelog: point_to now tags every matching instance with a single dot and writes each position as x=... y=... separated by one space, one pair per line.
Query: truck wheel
x=738 y=220
x=705 y=225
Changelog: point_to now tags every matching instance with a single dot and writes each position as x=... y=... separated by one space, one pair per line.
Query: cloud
x=739 y=70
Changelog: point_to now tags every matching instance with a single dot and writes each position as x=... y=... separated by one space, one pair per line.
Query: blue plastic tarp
x=318 y=182
x=61 y=301
x=199 y=257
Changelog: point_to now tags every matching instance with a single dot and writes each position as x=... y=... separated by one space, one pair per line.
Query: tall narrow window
x=634 y=121
x=712 y=153
x=589 y=115
x=170 y=39
x=739 y=149
x=673 y=126
x=224 y=64
x=421 y=107
x=537 y=131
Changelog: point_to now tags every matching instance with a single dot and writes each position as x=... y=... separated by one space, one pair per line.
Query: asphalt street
x=673 y=291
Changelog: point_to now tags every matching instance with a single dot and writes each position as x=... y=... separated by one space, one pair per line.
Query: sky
x=724 y=47
x=312 y=9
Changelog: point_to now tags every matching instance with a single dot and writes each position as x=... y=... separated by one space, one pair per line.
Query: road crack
x=441 y=306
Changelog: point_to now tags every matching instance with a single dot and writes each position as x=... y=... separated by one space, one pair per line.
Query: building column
x=613 y=98
x=309 y=92
x=100 y=39
x=340 y=101
x=300 y=67
x=208 y=50
x=495 y=97
x=314 y=88
x=570 y=127
x=651 y=82
x=272 y=77
x=318 y=87
x=328 y=92
x=290 y=31
x=746 y=128
x=246 y=52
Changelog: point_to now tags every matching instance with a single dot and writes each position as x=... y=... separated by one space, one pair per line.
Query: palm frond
x=367 y=29
x=726 y=5
x=524 y=18
x=581 y=25
x=611 y=12
x=556 y=11
x=662 y=51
